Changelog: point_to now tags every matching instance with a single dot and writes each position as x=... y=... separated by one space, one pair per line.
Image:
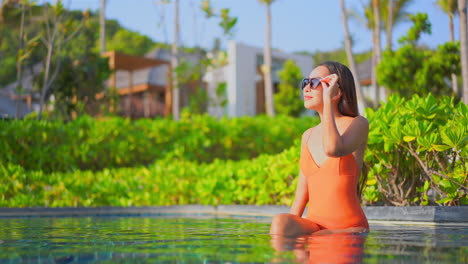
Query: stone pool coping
x=426 y=214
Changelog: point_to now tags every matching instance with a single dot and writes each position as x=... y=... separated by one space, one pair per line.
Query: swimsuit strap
x=310 y=134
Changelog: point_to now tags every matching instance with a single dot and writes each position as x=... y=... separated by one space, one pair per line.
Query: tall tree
x=425 y=70
x=25 y=49
x=392 y=12
x=175 y=64
x=464 y=47
x=389 y=17
x=19 y=60
x=82 y=75
x=102 y=26
x=58 y=31
x=389 y=25
x=450 y=8
x=266 y=67
x=349 y=54
x=376 y=49
x=130 y=42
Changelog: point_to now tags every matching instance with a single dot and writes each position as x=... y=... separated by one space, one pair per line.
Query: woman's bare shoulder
x=354 y=125
x=358 y=120
x=306 y=133
x=361 y=121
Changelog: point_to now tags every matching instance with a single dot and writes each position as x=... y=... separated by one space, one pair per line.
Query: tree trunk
x=19 y=62
x=464 y=48
x=389 y=32
x=175 y=64
x=130 y=95
x=102 y=22
x=146 y=104
x=390 y=25
x=168 y=93
x=54 y=42
x=270 y=109
x=376 y=50
x=349 y=55
x=452 y=39
x=45 y=84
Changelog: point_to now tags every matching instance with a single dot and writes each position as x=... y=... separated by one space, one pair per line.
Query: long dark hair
x=348 y=104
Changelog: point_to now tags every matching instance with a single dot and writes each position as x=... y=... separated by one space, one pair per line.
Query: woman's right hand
x=331 y=89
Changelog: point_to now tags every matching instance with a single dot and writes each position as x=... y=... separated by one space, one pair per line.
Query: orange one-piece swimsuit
x=333 y=200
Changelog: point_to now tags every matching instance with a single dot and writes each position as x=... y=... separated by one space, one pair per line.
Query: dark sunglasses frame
x=314 y=82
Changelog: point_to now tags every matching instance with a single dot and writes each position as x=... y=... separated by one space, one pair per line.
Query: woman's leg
x=292 y=226
x=340 y=231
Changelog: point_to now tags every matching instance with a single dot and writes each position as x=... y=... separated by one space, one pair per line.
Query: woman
x=331 y=158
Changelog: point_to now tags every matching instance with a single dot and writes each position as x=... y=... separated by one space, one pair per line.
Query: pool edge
x=413 y=214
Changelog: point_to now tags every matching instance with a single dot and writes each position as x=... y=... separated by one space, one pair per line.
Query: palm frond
x=353 y=14
x=448 y=6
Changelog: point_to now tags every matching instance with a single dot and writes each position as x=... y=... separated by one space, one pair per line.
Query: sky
x=297 y=25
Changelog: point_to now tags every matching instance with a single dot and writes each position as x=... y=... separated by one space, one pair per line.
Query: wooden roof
x=120 y=61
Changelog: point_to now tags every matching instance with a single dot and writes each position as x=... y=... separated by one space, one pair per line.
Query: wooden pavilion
x=138 y=100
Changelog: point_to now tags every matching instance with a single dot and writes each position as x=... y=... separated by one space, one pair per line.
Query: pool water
x=208 y=239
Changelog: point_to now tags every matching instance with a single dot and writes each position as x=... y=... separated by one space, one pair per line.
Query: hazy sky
x=298 y=25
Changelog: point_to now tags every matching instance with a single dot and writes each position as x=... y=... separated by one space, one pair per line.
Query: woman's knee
x=280 y=223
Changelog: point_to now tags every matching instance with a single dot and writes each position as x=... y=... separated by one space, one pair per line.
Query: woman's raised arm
x=334 y=144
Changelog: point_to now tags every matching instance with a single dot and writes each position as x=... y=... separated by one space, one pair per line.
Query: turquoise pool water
x=206 y=239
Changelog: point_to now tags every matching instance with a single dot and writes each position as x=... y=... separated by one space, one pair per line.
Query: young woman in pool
x=331 y=158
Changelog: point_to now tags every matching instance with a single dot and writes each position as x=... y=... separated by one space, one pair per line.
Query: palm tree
x=349 y=54
x=389 y=25
x=266 y=68
x=19 y=62
x=464 y=48
x=376 y=52
x=175 y=64
x=388 y=18
x=392 y=12
x=102 y=22
x=450 y=8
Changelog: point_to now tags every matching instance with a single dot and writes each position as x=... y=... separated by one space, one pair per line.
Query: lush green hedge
x=89 y=144
x=268 y=179
x=417 y=152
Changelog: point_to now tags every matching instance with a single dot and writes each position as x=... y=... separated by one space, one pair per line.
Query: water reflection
x=323 y=248
x=218 y=240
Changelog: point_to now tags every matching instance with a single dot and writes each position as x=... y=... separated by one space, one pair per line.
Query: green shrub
x=89 y=144
x=417 y=152
x=268 y=179
x=287 y=100
x=412 y=69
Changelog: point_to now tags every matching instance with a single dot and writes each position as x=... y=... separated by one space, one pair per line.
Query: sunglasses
x=314 y=82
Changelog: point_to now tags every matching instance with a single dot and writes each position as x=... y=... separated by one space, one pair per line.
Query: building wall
x=242 y=72
x=242 y=76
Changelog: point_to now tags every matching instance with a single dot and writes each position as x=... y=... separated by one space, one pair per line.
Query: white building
x=243 y=79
